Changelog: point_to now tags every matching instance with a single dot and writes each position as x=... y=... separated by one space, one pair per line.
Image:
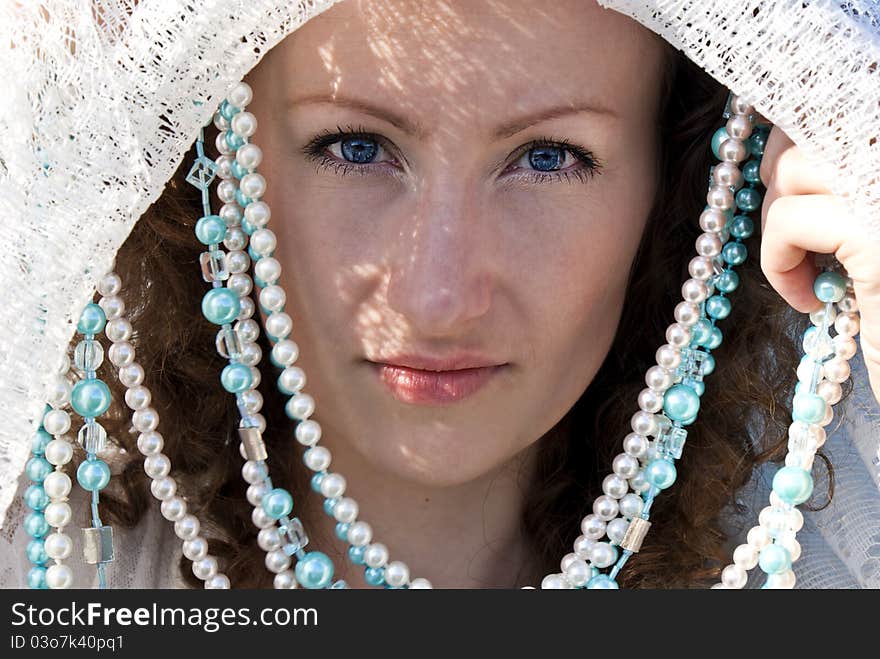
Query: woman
x=478 y=185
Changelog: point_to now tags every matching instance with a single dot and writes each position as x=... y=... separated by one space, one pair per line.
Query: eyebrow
x=419 y=130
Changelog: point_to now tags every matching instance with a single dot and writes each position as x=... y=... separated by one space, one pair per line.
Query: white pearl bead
x=237 y=261
x=277 y=561
x=617 y=529
x=260 y=518
x=553 y=582
x=668 y=356
x=248 y=330
x=758 y=537
x=268 y=269
x=258 y=214
x=300 y=406
x=396 y=574
x=832 y=392
x=187 y=527
x=603 y=555
x=708 y=244
x=285 y=352
x=650 y=400
x=150 y=443
x=583 y=547
x=635 y=445
x=58 y=514
x=746 y=556
x=279 y=324
x=59 y=396
x=269 y=539
x=694 y=290
x=131 y=375
x=845 y=347
x=658 y=378
x=240 y=95
x=848 y=303
x=231 y=214
x=631 y=505
x=346 y=510
x=223 y=162
x=420 y=583
x=113 y=307
x=236 y=239
x=793 y=547
x=644 y=423
x=164 y=488
x=253 y=185
x=739 y=127
x=783 y=580
x=720 y=197
x=625 y=466
x=804 y=371
x=614 y=486
x=121 y=354
x=137 y=398
x=264 y=242
x=292 y=378
x=733 y=576
x=226 y=189
x=157 y=465
x=243 y=124
x=217 y=582
x=733 y=150
x=701 y=267
x=712 y=219
x=56 y=422
x=118 y=329
x=638 y=483
x=687 y=313
x=847 y=324
x=174 y=510
x=817 y=317
x=57 y=485
x=577 y=572
x=249 y=156
x=240 y=283
x=605 y=507
x=196 y=548
x=317 y=458
x=593 y=527
x=145 y=419
x=58 y=545
x=273 y=298
x=837 y=370
x=205 y=568
x=109 y=284
x=285 y=581
x=59 y=577
x=253 y=472
x=360 y=534
x=253 y=401
x=829 y=416
x=376 y=555
x=333 y=486
x=255 y=493
x=59 y=452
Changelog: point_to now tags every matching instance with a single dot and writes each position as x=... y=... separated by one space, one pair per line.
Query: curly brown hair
x=743 y=418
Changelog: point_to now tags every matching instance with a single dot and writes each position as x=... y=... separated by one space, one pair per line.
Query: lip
x=434 y=387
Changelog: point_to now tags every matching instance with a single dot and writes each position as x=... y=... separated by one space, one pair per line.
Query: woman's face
x=459 y=180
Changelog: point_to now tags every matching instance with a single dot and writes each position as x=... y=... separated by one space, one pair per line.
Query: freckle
x=427 y=499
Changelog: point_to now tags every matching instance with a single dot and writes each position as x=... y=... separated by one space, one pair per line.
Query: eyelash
x=314 y=150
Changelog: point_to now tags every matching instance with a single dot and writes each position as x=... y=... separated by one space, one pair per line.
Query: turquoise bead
x=356 y=554
x=232 y=140
x=236 y=378
x=254 y=256
x=699 y=387
x=314 y=570
x=93 y=475
x=602 y=582
x=35 y=497
x=718 y=307
x=237 y=170
x=689 y=420
x=247 y=227
x=277 y=503
x=210 y=229
x=90 y=397
x=752 y=172
x=35 y=525
x=756 y=143
x=793 y=485
x=715 y=338
x=727 y=281
x=734 y=253
x=342 y=530
x=37 y=468
x=241 y=199
x=660 y=473
x=680 y=402
x=262 y=284
x=748 y=199
x=700 y=331
x=708 y=365
x=221 y=305
x=718 y=138
x=374 y=576
x=829 y=287
x=809 y=408
x=316 y=481
x=37 y=578
x=742 y=227
x=774 y=559
x=329 y=505
x=36 y=552
x=92 y=320
x=227 y=110
x=39 y=441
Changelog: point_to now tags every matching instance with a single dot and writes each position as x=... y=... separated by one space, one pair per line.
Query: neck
x=462 y=536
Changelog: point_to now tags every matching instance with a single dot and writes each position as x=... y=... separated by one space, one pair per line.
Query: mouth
x=433 y=387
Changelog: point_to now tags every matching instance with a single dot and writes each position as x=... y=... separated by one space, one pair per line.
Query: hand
x=800 y=215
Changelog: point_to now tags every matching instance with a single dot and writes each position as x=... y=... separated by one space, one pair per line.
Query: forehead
x=473 y=60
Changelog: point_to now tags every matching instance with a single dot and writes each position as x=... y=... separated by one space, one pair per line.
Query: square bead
x=98 y=544
x=295 y=535
x=202 y=173
x=213 y=264
x=671 y=441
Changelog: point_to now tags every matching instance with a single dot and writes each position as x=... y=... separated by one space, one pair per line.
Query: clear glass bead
x=88 y=355
x=92 y=437
x=228 y=343
x=294 y=535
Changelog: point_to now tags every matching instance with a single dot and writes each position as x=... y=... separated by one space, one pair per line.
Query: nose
x=441 y=272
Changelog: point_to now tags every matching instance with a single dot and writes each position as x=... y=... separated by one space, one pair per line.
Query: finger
x=795 y=226
x=786 y=169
